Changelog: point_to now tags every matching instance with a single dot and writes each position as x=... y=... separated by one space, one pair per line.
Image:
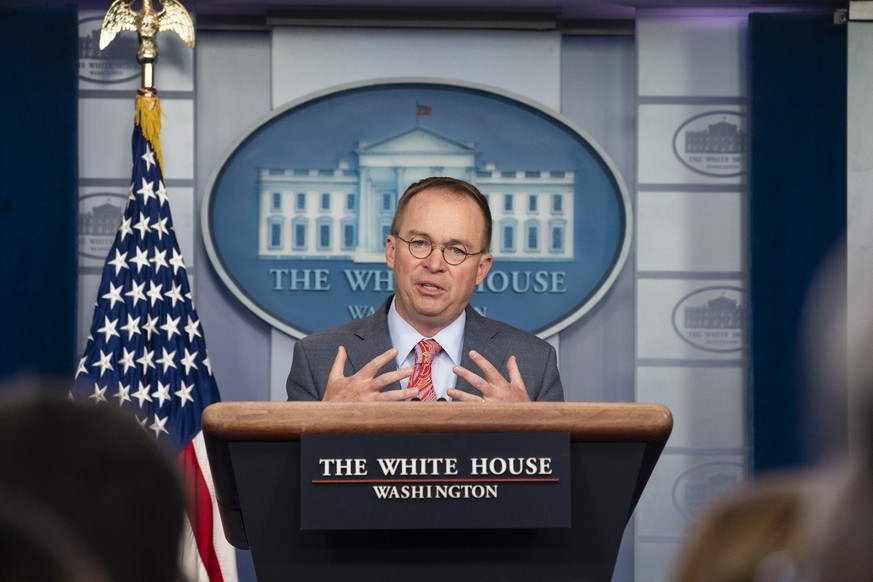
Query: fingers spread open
x=339 y=364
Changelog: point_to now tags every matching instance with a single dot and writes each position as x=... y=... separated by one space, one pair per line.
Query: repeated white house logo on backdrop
x=712 y=318
x=715 y=143
x=695 y=488
x=115 y=64
x=295 y=218
x=99 y=216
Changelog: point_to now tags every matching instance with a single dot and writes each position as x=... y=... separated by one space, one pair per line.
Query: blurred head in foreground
x=98 y=471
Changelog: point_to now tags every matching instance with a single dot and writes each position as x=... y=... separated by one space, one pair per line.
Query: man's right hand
x=365 y=385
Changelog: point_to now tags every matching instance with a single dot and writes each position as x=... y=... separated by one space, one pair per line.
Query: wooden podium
x=255 y=454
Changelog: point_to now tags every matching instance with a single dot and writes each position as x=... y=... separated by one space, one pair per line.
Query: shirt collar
x=404 y=337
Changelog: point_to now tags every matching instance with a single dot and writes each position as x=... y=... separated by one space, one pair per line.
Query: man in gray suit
x=438 y=250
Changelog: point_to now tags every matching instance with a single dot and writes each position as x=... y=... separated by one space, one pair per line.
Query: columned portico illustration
x=346 y=213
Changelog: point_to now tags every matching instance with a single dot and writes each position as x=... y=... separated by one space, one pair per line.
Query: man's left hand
x=493 y=387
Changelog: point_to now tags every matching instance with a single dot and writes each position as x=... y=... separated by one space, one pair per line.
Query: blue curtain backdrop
x=38 y=188
x=797 y=189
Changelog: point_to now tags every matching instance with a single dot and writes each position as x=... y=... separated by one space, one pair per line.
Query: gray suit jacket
x=367 y=338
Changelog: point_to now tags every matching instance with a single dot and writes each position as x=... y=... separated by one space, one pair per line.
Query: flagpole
x=146 y=23
x=146 y=335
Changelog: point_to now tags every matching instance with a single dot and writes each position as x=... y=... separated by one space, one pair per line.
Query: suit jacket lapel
x=478 y=335
x=374 y=341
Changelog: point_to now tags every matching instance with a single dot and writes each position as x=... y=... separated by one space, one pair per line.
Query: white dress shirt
x=451 y=339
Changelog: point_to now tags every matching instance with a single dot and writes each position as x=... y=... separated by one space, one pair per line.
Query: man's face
x=430 y=292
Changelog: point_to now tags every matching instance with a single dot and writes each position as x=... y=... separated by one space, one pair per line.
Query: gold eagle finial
x=146 y=22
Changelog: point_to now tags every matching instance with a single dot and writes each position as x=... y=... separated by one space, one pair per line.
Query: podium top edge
x=587 y=421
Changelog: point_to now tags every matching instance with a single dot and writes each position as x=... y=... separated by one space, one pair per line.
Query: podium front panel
x=255 y=454
x=267 y=476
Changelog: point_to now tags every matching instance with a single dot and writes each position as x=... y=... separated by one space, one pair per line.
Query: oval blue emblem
x=296 y=215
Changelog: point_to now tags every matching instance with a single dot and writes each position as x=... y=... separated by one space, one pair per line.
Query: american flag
x=423 y=109
x=146 y=350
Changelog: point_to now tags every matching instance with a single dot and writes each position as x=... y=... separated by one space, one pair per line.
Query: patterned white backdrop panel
x=690 y=231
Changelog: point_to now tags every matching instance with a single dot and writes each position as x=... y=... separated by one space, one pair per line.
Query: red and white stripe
x=207 y=556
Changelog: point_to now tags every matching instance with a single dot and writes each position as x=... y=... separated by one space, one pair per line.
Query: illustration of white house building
x=345 y=213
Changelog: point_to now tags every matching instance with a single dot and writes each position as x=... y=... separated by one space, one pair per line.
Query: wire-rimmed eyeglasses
x=421 y=248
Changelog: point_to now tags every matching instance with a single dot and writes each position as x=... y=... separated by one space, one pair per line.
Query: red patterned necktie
x=425 y=351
